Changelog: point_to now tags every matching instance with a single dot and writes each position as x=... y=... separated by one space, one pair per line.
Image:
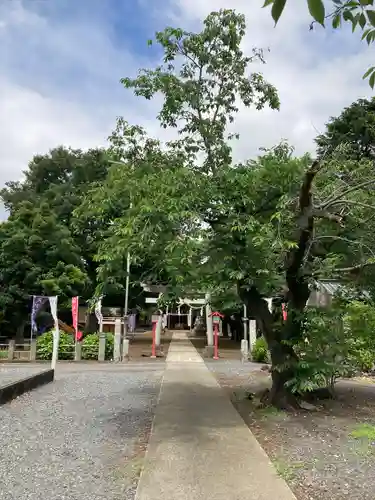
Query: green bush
x=44 y=346
x=90 y=346
x=259 y=352
x=337 y=342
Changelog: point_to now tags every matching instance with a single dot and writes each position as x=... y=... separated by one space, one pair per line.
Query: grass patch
x=364 y=432
x=270 y=412
x=364 y=436
x=288 y=471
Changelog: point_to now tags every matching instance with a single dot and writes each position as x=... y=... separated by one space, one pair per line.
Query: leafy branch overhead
x=359 y=13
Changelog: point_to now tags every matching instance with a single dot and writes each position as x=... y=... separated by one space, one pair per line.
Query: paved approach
x=200 y=448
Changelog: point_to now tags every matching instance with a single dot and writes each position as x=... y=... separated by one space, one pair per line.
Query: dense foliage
x=196 y=221
x=90 y=346
x=259 y=352
x=44 y=346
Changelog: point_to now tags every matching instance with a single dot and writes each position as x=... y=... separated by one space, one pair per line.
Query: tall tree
x=353 y=130
x=267 y=227
x=54 y=185
x=38 y=256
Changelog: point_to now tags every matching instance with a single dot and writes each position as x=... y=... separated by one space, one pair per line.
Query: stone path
x=200 y=448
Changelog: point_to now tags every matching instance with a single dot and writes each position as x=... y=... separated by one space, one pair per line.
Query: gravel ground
x=11 y=373
x=81 y=437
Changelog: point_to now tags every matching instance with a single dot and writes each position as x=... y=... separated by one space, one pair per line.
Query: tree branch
x=351 y=269
x=353 y=202
x=336 y=198
x=306 y=223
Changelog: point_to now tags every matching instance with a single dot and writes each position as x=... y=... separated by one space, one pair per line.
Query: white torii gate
x=201 y=303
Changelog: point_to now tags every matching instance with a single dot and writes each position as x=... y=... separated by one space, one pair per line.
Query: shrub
x=259 y=352
x=337 y=342
x=44 y=346
x=90 y=346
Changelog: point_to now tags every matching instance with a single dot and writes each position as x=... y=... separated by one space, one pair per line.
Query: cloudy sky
x=61 y=61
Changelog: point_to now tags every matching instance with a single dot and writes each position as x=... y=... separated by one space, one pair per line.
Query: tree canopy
x=189 y=215
x=353 y=132
x=267 y=227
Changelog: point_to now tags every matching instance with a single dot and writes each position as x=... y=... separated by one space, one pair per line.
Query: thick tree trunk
x=19 y=339
x=283 y=358
x=280 y=336
x=91 y=323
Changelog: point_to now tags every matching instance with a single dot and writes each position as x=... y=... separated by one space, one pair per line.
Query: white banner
x=98 y=310
x=56 y=333
x=53 y=306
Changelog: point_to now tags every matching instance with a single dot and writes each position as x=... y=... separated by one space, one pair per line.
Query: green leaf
x=368 y=72
x=277 y=9
x=372 y=80
x=371 y=16
x=366 y=2
x=149 y=42
x=355 y=21
x=362 y=20
x=365 y=33
x=347 y=15
x=336 y=21
x=267 y=2
x=317 y=10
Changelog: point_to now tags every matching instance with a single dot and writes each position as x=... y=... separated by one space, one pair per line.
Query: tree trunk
x=283 y=358
x=19 y=339
x=91 y=323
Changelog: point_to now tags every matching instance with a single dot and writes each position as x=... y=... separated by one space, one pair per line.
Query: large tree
x=40 y=226
x=267 y=227
x=38 y=256
x=352 y=133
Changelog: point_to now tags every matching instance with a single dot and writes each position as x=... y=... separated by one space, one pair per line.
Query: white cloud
x=59 y=77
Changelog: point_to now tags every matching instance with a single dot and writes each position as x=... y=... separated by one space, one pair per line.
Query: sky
x=61 y=62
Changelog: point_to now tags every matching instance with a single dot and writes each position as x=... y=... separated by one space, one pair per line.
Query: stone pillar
x=78 y=351
x=117 y=342
x=11 y=348
x=102 y=341
x=252 y=334
x=209 y=350
x=33 y=350
x=125 y=350
x=210 y=330
x=244 y=350
x=158 y=331
x=245 y=320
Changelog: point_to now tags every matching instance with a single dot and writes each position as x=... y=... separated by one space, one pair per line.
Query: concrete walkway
x=200 y=448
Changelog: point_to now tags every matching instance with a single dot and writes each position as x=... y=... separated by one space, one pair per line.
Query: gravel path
x=81 y=437
x=11 y=373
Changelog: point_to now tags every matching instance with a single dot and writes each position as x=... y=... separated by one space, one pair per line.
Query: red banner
x=75 y=314
x=285 y=314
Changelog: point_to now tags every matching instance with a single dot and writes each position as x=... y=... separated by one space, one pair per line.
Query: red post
x=217 y=317
x=216 y=344
x=153 y=349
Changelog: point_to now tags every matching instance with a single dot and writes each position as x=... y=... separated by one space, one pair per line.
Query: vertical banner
x=75 y=301
x=285 y=314
x=38 y=302
x=56 y=333
x=98 y=313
